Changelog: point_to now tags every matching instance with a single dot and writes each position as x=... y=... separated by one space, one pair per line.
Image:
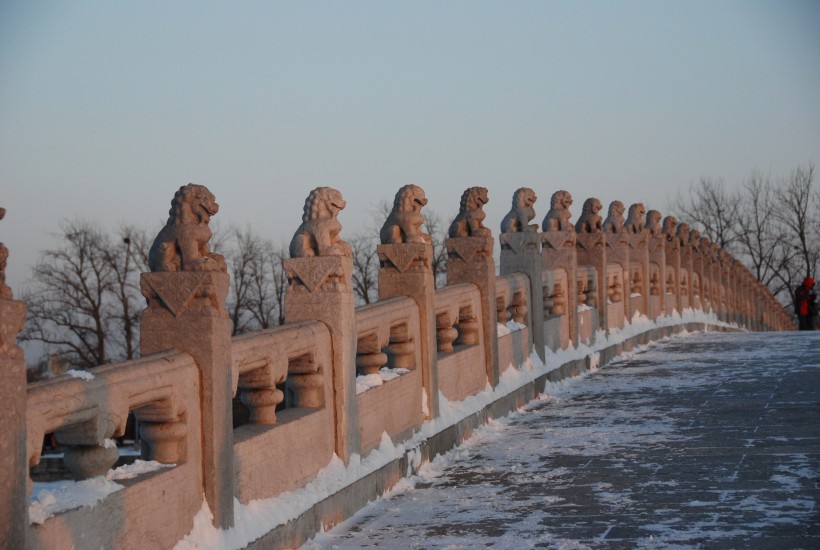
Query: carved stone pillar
x=591 y=250
x=13 y=459
x=639 y=273
x=686 y=268
x=672 y=287
x=558 y=252
x=319 y=289
x=617 y=252
x=699 y=275
x=186 y=312
x=657 y=260
x=521 y=253
x=406 y=270
x=470 y=260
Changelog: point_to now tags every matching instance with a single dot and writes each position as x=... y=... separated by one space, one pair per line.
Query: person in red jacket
x=805 y=300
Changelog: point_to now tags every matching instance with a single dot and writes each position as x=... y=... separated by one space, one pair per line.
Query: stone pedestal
x=13 y=459
x=319 y=289
x=470 y=260
x=591 y=250
x=657 y=264
x=673 y=267
x=639 y=267
x=687 y=291
x=406 y=270
x=521 y=253
x=186 y=312
x=558 y=252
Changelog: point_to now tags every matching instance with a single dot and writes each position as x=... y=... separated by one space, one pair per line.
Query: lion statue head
x=182 y=245
x=653 y=222
x=323 y=203
x=319 y=233
x=403 y=224
x=683 y=232
x=470 y=219
x=634 y=220
x=590 y=221
x=409 y=198
x=615 y=218
x=557 y=219
x=522 y=211
x=670 y=225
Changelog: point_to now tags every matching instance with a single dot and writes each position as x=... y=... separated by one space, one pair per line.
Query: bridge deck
x=710 y=441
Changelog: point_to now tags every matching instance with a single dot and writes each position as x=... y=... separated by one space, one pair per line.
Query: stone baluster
x=558 y=252
x=446 y=334
x=186 y=293
x=319 y=288
x=519 y=308
x=405 y=260
x=470 y=260
x=656 y=247
x=591 y=251
x=521 y=253
x=13 y=460
x=369 y=356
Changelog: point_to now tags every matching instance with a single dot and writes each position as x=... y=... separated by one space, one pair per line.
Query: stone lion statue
x=470 y=219
x=319 y=233
x=5 y=290
x=557 y=219
x=670 y=224
x=614 y=222
x=683 y=232
x=182 y=245
x=694 y=237
x=403 y=225
x=518 y=218
x=590 y=221
x=634 y=220
x=653 y=222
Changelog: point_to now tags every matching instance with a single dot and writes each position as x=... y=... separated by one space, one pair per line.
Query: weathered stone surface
x=198 y=324
x=319 y=289
x=518 y=218
x=318 y=235
x=469 y=222
x=521 y=253
x=557 y=218
x=403 y=224
x=182 y=245
x=471 y=261
x=406 y=270
x=13 y=460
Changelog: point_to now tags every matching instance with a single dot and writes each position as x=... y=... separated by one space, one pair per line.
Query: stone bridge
x=344 y=401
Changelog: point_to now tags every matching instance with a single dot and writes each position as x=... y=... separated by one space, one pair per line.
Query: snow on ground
x=260 y=516
x=684 y=447
x=53 y=497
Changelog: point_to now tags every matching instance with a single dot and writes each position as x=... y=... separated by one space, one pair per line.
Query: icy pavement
x=710 y=441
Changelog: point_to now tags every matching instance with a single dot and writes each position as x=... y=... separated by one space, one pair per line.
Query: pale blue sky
x=106 y=108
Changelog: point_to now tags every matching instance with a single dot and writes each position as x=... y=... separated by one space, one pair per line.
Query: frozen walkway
x=710 y=441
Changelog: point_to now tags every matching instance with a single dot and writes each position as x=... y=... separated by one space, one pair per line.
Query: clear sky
x=106 y=108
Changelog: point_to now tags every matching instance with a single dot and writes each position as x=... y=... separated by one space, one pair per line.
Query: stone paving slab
x=710 y=441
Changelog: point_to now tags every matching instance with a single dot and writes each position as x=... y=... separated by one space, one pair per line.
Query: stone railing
x=334 y=378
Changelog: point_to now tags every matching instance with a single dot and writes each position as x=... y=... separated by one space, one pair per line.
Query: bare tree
x=437 y=228
x=258 y=281
x=127 y=257
x=710 y=207
x=797 y=214
x=68 y=306
x=365 y=277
